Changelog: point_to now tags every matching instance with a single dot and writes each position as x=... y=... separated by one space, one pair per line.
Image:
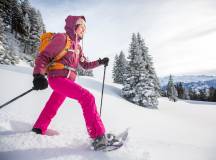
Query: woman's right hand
x=39 y=82
x=104 y=61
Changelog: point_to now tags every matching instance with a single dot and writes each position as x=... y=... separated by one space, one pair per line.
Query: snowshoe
x=110 y=142
x=100 y=143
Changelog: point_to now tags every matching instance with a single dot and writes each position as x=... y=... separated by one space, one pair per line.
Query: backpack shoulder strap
x=61 y=54
x=45 y=39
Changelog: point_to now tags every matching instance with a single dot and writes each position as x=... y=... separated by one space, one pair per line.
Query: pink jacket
x=71 y=59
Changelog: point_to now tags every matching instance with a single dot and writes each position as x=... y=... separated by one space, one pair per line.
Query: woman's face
x=80 y=31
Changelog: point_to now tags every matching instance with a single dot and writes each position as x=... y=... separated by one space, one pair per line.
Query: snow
x=23 y=64
x=176 y=131
x=1 y=47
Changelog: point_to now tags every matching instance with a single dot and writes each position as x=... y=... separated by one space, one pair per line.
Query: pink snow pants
x=62 y=88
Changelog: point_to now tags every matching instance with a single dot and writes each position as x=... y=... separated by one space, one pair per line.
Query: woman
x=62 y=81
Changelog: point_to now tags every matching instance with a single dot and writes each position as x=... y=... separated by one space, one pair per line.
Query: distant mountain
x=189 y=79
x=200 y=84
x=196 y=83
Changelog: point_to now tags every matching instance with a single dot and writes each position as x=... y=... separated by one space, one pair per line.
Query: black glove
x=40 y=82
x=104 y=61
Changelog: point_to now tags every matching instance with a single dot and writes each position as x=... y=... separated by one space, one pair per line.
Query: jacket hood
x=70 y=25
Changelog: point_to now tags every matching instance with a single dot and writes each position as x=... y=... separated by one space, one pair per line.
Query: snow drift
x=176 y=131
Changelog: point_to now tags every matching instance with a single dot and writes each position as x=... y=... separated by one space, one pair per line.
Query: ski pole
x=102 y=89
x=17 y=97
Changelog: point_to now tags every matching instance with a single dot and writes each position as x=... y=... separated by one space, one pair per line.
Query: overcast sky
x=180 y=34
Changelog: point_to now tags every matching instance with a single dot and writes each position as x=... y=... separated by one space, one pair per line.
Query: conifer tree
x=114 y=70
x=84 y=72
x=5 y=50
x=16 y=17
x=2 y=41
x=214 y=96
x=171 y=90
x=186 y=94
x=40 y=23
x=128 y=91
x=23 y=26
x=35 y=30
x=203 y=94
x=149 y=65
x=180 y=90
x=140 y=78
x=211 y=94
x=6 y=11
x=26 y=8
x=119 y=68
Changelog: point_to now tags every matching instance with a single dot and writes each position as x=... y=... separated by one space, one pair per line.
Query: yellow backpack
x=45 y=39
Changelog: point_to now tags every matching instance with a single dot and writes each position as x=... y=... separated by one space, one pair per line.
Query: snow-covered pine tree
x=80 y=71
x=35 y=31
x=212 y=94
x=83 y=72
x=41 y=24
x=180 y=90
x=2 y=27
x=147 y=87
x=114 y=70
x=122 y=67
x=5 y=11
x=139 y=83
x=119 y=68
x=186 y=94
x=203 y=94
x=16 y=17
x=149 y=65
x=5 y=50
x=193 y=94
x=130 y=77
x=172 y=93
x=90 y=73
x=26 y=7
x=2 y=39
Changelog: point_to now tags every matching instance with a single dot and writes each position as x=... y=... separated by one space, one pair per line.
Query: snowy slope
x=177 y=131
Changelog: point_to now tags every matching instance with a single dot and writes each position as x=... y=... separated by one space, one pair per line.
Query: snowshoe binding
x=109 y=142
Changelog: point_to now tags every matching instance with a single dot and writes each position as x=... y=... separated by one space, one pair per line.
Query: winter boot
x=37 y=130
x=100 y=143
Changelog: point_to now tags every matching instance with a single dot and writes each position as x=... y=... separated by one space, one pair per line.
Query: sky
x=180 y=34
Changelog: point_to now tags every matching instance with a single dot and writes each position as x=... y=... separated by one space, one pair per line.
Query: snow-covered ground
x=185 y=130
